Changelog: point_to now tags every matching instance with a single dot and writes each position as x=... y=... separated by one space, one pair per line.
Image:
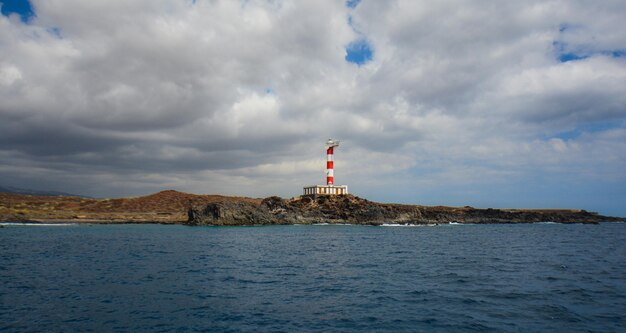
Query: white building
x=316 y=190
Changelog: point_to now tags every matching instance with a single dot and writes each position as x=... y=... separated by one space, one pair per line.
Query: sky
x=518 y=104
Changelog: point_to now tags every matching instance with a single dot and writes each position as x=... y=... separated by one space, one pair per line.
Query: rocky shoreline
x=172 y=207
x=350 y=209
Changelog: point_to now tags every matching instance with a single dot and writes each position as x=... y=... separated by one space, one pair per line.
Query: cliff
x=350 y=209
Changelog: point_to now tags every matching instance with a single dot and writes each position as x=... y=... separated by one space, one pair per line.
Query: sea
x=541 y=277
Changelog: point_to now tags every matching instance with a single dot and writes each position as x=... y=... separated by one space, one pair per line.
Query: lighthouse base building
x=316 y=190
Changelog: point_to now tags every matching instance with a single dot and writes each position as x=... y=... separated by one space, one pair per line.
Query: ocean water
x=449 y=278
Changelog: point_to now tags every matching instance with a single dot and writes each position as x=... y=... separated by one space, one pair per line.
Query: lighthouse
x=330 y=149
x=330 y=188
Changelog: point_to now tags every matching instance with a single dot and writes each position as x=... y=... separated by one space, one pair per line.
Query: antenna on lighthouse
x=332 y=143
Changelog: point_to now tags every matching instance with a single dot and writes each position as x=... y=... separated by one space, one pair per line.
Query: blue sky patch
x=55 y=31
x=617 y=53
x=21 y=7
x=572 y=56
x=565 y=57
x=352 y=3
x=594 y=127
x=565 y=52
x=359 y=52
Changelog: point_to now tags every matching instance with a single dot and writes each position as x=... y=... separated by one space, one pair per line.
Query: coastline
x=350 y=209
x=177 y=208
x=382 y=225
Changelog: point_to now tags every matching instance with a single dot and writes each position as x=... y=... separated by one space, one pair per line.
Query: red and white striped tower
x=330 y=176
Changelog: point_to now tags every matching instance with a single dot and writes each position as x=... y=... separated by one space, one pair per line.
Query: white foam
x=406 y=225
x=332 y=224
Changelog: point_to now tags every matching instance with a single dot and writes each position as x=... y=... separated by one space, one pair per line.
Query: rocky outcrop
x=354 y=210
x=304 y=210
x=230 y=213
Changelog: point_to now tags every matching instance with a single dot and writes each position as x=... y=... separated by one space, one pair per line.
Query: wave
x=332 y=224
x=406 y=225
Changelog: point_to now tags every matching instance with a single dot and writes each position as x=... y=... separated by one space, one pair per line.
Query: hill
x=163 y=207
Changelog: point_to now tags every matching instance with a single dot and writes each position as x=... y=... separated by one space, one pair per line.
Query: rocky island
x=172 y=207
x=350 y=209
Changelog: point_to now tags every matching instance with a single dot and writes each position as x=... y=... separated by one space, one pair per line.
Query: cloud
x=119 y=97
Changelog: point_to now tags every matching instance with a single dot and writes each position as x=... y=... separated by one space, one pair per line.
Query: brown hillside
x=165 y=207
x=164 y=201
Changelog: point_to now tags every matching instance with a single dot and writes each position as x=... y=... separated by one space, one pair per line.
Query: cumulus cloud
x=456 y=101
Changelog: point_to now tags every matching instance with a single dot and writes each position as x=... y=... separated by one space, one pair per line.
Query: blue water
x=457 y=278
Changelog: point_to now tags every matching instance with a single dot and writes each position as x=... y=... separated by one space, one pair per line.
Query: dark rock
x=229 y=213
x=354 y=210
